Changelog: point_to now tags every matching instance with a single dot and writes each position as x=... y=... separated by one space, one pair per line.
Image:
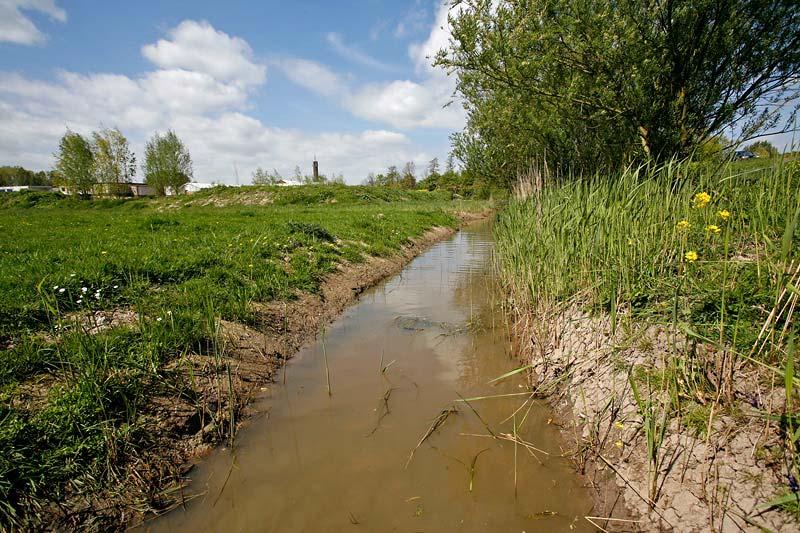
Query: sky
x=266 y=84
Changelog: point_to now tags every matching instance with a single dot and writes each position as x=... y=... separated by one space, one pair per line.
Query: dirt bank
x=717 y=480
x=205 y=396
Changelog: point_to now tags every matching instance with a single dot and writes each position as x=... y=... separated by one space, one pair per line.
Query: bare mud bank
x=717 y=478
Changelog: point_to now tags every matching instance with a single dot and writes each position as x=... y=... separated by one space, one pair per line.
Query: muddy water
x=320 y=462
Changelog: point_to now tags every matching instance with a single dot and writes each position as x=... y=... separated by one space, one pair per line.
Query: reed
x=709 y=253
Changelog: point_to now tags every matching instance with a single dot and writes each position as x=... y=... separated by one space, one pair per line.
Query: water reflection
x=325 y=463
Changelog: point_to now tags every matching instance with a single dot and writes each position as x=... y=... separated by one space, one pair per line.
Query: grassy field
x=72 y=394
x=710 y=253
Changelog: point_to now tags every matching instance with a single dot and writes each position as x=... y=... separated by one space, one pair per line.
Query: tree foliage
x=763 y=149
x=167 y=163
x=263 y=177
x=75 y=163
x=114 y=164
x=23 y=176
x=593 y=84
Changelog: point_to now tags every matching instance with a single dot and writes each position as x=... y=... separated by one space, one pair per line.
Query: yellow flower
x=684 y=225
x=724 y=214
x=691 y=256
x=618 y=444
x=619 y=425
x=711 y=228
x=701 y=199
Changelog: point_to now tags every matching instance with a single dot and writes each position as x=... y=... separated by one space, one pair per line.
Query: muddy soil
x=717 y=483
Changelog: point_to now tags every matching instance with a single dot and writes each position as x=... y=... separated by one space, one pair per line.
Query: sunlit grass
x=72 y=394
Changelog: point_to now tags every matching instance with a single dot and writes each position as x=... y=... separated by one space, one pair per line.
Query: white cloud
x=351 y=53
x=404 y=104
x=414 y=21
x=422 y=54
x=16 y=27
x=313 y=76
x=198 y=47
x=204 y=99
x=248 y=143
x=428 y=103
x=407 y=104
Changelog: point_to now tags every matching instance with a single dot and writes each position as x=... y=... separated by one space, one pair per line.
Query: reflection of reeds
x=384 y=409
x=438 y=421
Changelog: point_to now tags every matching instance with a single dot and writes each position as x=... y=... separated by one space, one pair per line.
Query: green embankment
x=179 y=264
x=710 y=252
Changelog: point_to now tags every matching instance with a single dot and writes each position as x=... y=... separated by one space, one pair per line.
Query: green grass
x=180 y=264
x=615 y=245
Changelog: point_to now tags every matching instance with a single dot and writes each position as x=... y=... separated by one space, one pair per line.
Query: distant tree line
x=106 y=162
x=596 y=84
x=18 y=176
x=462 y=183
x=263 y=177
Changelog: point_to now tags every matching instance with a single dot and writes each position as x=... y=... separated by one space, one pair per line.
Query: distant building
x=19 y=188
x=193 y=187
x=122 y=190
x=142 y=189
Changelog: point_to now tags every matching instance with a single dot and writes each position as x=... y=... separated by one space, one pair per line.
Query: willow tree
x=114 y=162
x=75 y=164
x=591 y=84
x=167 y=163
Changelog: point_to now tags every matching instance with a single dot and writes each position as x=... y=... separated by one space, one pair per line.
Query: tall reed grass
x=710 y=253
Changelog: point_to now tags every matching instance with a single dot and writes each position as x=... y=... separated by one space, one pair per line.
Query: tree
x=75 y=163
x=433 y=167
x=450 y=166
x=409 y=179
x=392 y=177
x=114 y=162
x=167 y=163
x=370 y=180
x=23 y=176
x=262 y=177
x=593 y=85
x=431 y=181
x=763 y=149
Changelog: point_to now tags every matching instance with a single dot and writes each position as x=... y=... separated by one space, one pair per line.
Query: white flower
x=79 y=301
x=169 y=313
x=62 y=289
x=84 y=289
x=159 y=319
x=116 y=286
x=55 y=287
x=72 y=275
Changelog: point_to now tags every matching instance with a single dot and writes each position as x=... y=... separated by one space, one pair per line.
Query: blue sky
x=245 y=84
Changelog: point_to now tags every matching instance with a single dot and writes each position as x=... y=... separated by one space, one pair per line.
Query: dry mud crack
x=716 y=483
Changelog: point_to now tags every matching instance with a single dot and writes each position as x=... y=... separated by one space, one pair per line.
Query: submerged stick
x=438 y=421
x=477 y=414
x=327 y=369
